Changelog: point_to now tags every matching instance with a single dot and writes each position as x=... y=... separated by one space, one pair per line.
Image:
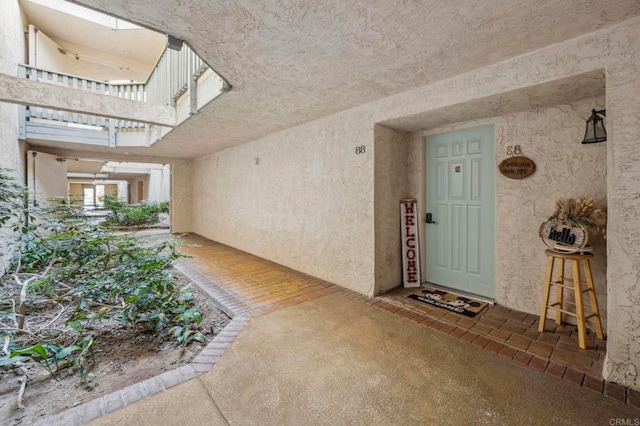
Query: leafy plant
x=183 y=333
x=53 y=358
x=12 y=197
x=78 y=272
x=125 y=214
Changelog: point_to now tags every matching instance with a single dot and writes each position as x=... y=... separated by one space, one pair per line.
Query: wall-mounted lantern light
x=595 y=127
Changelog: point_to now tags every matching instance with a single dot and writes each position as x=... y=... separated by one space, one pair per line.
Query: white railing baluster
x=92 y=118
x=174 y=74
x=166 y=88
x=74 y=85
x=65 y=81
x=170 y=70
x=178 y=82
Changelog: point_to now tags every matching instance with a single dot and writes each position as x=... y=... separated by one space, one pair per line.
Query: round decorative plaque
x=563 y=236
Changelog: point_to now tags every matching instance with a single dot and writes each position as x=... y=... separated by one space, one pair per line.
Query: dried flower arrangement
x=583 y=211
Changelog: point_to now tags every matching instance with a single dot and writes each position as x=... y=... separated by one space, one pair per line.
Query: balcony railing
x=174 y=74
x=133 y=91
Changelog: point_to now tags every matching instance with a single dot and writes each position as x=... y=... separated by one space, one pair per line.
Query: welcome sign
x=410 y=245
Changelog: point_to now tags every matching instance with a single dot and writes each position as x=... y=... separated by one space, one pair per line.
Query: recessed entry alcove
x=548 y=122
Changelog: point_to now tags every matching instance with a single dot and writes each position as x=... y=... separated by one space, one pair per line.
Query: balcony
x=180 y=80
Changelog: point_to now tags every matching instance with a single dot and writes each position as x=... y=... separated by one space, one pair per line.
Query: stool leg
x=577 y=286
x=594 y=301
x=559 y=291
x=547 y=290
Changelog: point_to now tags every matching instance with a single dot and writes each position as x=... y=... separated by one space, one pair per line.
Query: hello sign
x=563 y=236
x=410 y=245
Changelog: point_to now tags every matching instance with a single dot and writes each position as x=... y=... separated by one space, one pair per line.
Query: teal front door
x=460 y=201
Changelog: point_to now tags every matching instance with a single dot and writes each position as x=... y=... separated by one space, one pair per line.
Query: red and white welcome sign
x=410 y=245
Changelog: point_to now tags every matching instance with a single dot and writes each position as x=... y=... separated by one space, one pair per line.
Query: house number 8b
x=513 y=150
x=360 y=149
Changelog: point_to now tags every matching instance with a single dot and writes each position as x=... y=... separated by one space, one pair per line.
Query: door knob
x=429 y=218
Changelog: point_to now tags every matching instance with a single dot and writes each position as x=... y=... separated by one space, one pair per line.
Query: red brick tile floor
x=265 y=286
x=556 y=348
x=262 y=285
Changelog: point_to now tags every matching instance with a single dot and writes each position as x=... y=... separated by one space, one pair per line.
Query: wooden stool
x=578 y=290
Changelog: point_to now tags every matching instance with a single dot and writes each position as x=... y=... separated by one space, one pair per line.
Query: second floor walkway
x=61 y=107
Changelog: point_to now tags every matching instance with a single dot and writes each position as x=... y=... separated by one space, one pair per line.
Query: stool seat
x=577 y=286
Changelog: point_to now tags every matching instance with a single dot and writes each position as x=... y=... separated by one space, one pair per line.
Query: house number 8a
x=360 y=149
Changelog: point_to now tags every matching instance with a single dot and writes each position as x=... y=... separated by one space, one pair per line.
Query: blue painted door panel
x=460 y=245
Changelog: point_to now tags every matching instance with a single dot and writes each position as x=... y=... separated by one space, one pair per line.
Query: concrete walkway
x=337 y=360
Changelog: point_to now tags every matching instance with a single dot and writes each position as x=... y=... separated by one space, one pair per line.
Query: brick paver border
x=227 y=302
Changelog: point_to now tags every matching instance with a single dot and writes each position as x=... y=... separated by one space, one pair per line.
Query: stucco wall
x=75 y=193
x=136 y=196
x=302 y=198
x=564 y=168
x=111 y=189
x=159 y=184
x=324 y=226
x=12 y=51
x=46 y=176
x=182 y=196
x=43 y=53
x=622 y=362
x=75 y=189
x=391 y=148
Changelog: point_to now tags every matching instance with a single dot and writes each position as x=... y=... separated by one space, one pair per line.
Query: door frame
x=422 y=220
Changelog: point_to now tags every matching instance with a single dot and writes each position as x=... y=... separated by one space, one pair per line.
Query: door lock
x=429 y=218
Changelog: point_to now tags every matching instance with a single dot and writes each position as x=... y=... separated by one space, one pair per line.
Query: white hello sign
x=410 y=245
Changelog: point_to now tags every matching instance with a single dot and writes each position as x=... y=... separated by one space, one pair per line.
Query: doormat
x=449 y=301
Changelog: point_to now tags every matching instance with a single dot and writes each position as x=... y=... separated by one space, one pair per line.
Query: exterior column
x=623 y=229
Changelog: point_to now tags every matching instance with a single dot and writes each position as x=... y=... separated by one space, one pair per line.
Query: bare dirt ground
x=122 y=358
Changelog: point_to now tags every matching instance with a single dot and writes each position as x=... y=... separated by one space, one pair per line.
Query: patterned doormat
x=449 y=301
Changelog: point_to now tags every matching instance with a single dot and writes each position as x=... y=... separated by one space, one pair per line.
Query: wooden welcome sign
x=410 y=245
x=517 y=167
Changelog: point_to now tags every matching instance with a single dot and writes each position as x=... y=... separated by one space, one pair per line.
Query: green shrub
x=125 y=214
x=163 y=207
x=60 y=259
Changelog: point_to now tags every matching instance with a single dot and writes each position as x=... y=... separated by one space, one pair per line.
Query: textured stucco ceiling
x=294 y=61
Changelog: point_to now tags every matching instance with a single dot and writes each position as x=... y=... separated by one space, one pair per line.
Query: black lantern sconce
x=595 y=127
